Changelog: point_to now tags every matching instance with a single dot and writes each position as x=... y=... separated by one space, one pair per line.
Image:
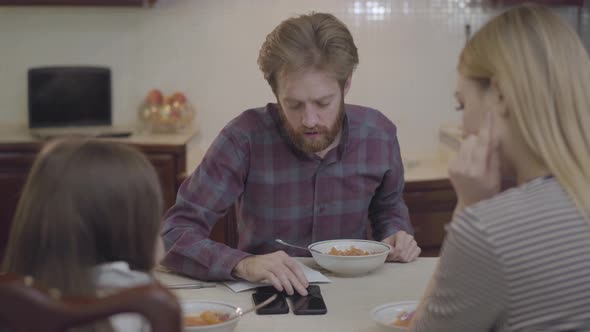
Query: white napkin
x=311 y=275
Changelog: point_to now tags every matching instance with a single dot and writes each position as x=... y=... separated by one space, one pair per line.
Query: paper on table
x=311 y=275
x=173 y=280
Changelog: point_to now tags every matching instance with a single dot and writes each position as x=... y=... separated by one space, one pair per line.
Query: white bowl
x=385 y=315
x=195 y=308
x=350 y=265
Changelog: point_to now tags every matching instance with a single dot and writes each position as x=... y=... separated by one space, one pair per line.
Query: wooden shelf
x=96 y=3
x=577 y=3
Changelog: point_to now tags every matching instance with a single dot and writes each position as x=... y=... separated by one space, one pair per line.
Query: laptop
x=71 y=100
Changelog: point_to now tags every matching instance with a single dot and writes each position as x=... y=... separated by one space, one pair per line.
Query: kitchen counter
x=189 y=138
x=434 y=166
x=424 y=167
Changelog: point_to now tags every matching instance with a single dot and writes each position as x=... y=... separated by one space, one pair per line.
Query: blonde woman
x=518 y=260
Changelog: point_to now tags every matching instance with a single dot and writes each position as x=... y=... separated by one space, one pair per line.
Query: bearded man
x=304 y=169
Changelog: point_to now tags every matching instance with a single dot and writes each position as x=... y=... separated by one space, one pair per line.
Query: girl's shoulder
x=116 y=275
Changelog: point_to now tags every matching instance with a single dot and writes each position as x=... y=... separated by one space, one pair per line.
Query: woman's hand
x=475 y=173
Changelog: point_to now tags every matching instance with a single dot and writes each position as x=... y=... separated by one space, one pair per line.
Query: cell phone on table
x=276 y=307
x=312 y=304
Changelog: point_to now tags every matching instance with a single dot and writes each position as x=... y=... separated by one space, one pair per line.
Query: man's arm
x=202 y=200
x=388 y=212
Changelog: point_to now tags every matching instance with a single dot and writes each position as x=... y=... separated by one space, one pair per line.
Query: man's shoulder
x=253 y=121
x=367 y=118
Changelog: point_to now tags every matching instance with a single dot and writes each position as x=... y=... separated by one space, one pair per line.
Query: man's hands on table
x=285 y=273
x=404 y=247
x=282 y=271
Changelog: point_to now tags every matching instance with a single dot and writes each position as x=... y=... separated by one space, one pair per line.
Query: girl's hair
x=543 y=72
x=85 y=203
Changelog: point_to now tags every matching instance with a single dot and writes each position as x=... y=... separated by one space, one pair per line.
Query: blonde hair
x=318 y=41
x=543 y=72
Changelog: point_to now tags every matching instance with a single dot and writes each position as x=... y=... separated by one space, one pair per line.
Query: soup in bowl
x=209 y=316
x=350 y=257
x=395 y=316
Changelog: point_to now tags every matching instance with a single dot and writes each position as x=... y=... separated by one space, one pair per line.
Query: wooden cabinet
x=165 y=167
x=431 y=204
x=16 y=160
x=14 y=168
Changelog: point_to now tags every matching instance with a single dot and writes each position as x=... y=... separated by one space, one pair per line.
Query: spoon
x=239 y=312
x=294 y=246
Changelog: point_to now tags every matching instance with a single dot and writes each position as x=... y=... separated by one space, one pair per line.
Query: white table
x=349 y=299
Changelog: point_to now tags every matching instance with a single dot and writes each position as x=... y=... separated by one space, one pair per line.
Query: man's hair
x=315 y=41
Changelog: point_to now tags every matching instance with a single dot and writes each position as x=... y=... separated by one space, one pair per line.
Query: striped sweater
x=517 y=262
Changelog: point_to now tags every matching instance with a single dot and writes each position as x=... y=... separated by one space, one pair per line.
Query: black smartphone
x=268 y=289
x=312 y=304
x=276 y=307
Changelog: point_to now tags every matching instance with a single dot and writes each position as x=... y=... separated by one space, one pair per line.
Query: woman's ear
x=497 y=100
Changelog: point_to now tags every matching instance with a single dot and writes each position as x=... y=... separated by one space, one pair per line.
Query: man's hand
x=404 y=247
x=282 y=271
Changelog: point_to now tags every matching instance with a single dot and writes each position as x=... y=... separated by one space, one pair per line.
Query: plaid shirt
x=285 y=193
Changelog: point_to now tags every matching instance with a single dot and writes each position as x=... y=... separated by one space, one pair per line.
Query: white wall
x=208 y=48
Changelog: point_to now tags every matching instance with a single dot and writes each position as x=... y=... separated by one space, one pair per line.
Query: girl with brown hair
x=88 y=221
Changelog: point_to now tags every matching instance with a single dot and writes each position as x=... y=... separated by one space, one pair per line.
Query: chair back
x=28 y=307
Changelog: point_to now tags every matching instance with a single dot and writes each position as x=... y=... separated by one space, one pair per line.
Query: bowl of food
x=209 y=316
x=349 y=257
x=395 y=316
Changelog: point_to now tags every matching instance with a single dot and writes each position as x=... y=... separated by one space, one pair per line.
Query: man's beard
x=326 y=136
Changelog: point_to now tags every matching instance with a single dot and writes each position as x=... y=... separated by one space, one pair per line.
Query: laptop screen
x=69 y=96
